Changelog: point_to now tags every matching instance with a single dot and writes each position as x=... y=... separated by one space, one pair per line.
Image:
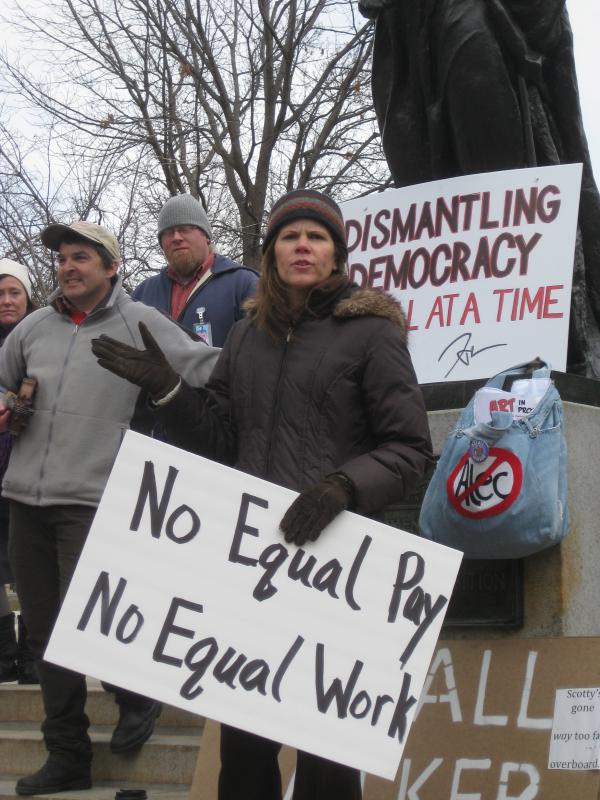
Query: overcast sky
x=586 y=35
x=586 y=32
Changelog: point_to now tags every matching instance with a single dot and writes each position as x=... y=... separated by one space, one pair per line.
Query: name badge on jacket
x=202 y=327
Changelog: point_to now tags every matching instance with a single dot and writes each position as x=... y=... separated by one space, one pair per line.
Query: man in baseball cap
x=54 y=234
x=202 y=290
x=60 y=464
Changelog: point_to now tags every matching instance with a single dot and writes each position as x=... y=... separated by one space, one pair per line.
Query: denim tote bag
x=500 y=487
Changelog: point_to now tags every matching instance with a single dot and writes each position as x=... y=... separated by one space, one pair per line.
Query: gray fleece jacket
x=81 y=411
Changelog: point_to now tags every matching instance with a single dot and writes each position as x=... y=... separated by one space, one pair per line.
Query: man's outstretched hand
x=147 y=368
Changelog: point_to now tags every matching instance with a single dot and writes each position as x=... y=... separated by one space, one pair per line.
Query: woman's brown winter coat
x=338 y=395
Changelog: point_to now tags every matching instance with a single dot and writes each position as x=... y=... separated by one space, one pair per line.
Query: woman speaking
x=314 y=390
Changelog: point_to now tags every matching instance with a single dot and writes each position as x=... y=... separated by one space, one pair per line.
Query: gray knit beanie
x=183 y=209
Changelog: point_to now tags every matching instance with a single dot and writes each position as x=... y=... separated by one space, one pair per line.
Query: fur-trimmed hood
x=371 y=302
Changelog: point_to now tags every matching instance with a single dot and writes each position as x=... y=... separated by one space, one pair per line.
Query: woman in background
x=15 y=660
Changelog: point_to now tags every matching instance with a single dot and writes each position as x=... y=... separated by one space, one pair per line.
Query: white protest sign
x=482 y=265
x=187 y=592
x=575 y=739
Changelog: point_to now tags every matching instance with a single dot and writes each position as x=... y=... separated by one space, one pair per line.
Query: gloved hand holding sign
x=315 y=508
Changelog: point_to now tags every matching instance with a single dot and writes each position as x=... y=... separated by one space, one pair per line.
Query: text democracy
x=438 y=257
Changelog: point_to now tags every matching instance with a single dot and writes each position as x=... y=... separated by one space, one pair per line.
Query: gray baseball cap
x=183 y=209
x=53 y=235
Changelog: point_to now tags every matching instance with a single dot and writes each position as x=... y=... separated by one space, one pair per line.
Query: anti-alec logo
x=484 y=489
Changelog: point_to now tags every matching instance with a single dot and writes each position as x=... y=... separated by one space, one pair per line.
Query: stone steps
x=25 y=703
x=164 y=766
x=169 y=756
x=101 y=791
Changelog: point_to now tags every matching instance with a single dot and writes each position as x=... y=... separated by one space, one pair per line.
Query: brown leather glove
x=316 y=507
x=147 y=368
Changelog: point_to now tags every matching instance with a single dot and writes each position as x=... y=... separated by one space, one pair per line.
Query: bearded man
x=198 y=288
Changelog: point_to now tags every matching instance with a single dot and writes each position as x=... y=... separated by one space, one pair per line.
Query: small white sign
x=489 y=399
x=187 y=592
x=482 y=265
x=575 y=739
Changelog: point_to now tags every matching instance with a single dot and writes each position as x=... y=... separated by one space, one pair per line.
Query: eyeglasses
x=182 y=230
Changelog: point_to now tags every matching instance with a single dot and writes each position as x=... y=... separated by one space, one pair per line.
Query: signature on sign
x=465 y=352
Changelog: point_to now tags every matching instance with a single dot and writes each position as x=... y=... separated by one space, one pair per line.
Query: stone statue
x=464 y=86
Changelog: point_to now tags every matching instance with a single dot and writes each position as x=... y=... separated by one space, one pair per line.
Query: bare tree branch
x=235 y=101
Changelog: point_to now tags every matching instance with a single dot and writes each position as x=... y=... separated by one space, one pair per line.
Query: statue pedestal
x=555 y=592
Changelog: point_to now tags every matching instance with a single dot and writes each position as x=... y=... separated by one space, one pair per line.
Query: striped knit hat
x=307 y=204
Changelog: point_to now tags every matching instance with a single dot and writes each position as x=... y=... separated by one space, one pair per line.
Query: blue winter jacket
x=221 y=296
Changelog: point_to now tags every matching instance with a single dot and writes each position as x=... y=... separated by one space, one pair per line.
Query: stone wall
x=561 y=586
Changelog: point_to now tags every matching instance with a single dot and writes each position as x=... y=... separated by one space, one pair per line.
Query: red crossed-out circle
x=500 y=463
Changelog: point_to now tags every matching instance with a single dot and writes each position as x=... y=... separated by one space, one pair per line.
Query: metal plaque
x=487 y=593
